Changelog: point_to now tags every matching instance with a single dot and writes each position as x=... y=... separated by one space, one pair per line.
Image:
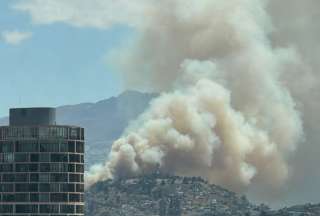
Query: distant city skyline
x=54 y=64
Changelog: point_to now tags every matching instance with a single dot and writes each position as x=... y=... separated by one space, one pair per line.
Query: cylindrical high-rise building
x=41 y=165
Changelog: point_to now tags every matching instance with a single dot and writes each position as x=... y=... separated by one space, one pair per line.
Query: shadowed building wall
x=41 y=165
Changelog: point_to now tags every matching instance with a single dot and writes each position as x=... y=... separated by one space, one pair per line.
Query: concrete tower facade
x=41 y=165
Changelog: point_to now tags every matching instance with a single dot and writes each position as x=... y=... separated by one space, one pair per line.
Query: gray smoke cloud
x=296 y=26
x=226 y=111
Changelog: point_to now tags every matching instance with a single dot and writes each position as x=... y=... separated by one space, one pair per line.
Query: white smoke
x=225 y=113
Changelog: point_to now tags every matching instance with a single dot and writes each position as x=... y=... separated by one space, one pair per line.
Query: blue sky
x=58 y=65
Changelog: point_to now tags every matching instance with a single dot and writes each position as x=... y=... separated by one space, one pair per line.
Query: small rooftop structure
x=32 y=116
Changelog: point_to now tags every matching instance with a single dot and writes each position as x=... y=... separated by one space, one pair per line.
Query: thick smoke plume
x=226 y=111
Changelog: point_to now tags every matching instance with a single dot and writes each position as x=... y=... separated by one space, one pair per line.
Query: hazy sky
x=56 y=64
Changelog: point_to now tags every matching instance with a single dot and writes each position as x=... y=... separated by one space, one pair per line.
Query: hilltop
x=164 y=195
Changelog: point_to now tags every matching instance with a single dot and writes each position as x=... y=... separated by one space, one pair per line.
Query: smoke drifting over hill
x=226 y=111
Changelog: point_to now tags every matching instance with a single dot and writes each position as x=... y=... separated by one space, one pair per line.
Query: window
x=49 y=208
x=6 y=147
x=80 y=168
x=6 y=208
x=74 y=158
x=34 y=177
x=27 y=167
x=44 y=157
x=22 y=168
x=44 y=187
x=44 y=148
x=80 y=147
x=81 y=198
x=22 y=187
x=62 y=132
x=21 y=157
x=53 y=131
x=59 y=158
x=21 y=177
x=43 y=132
x=45 y=167
x=82 y=158
x=80 y=209
x=33 y=167
x=64 y=157
x=59 y=177
x=82 y=133
x=54 y=187
x=44 y=197
x=72 y=168
x=63 y=147
x=67 y=208
x=74 y=133
x=71 y=147
x=80 y=188
x=34 y=197
x=67 y=187
x=26 y=187
x=44 y=177
x=59 y=197
x=33 y=187
x=74 y=197
x=26 y=208
x=8 y=198
x=34 y=157
x=55 y=167
x=64 y=167
x=74 y=178
x=49 y=147
x=8 y=157
x=22 y=197
x=8 y=177
x=26 y=147
x=6 y=168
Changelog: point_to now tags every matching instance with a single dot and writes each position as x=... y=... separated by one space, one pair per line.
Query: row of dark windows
x=42 y=157
x=42 y=132
x=42 y=208
x=46 y=146
x=52 y=187
x=46 y=214
x=49 y=167
x=45 y=167
x=42 y=187
x=42 y=214
x=42 y=177
x=42 y=197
